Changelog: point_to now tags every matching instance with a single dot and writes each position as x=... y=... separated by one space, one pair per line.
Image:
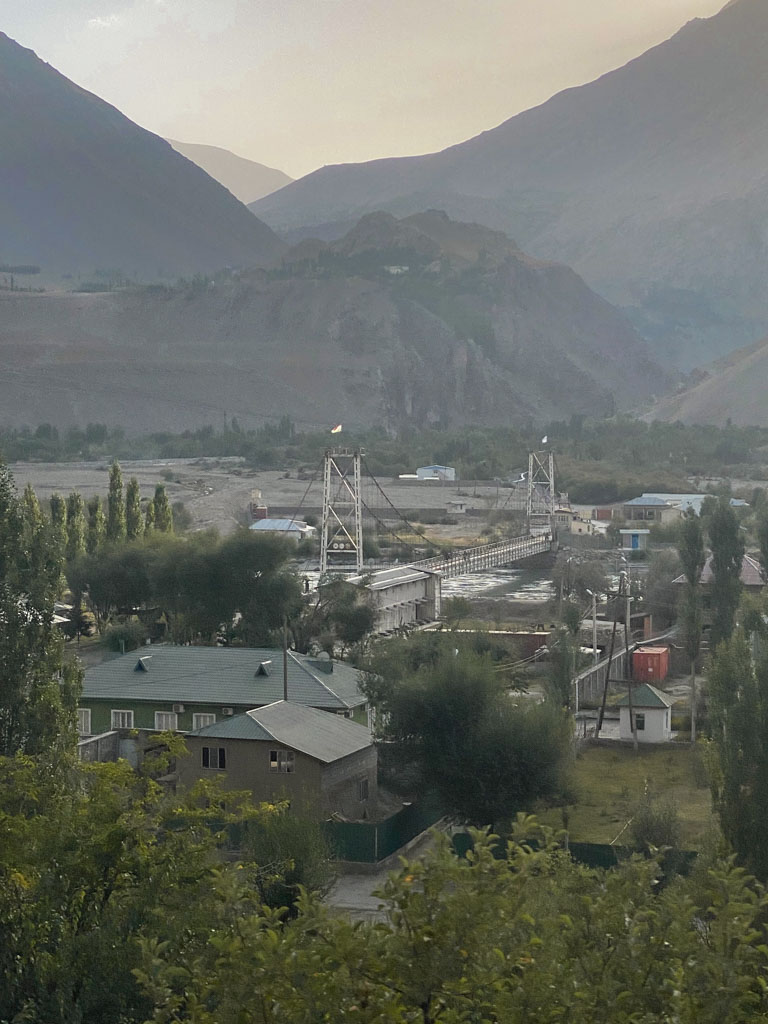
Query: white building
x=652 y=714
x=289 y=529
x=436 y=473
x=402 y=596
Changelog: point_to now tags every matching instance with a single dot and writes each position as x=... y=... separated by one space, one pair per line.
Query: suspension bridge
x=409 y=591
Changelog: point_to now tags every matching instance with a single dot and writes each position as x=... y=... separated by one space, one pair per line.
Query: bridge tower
x=542 y=495
x=341 y=539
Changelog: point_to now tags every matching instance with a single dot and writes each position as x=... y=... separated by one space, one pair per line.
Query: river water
x=518 y=584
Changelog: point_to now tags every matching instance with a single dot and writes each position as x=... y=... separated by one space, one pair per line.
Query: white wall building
x=652 y=713
x=402 y=596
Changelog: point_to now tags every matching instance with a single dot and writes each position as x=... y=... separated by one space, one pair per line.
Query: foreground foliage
x=530 y=938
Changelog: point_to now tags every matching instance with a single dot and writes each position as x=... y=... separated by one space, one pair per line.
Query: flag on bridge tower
x=545 y=439
x=336 y=429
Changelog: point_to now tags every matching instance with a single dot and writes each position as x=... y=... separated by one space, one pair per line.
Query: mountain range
x=731 y=390
x=401 y=322
x=652 y=182
x=82 y=187
x=245 y=179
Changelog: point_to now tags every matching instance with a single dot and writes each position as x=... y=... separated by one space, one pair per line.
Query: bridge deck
x=486 y=556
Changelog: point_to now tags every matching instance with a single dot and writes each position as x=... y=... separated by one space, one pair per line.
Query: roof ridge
x=317 y=679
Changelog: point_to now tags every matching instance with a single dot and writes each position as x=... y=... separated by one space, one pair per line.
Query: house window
x=281 y=760
x=640 y=721
x=215 y=757
x=202 y=719
x=122 y=719
x=362 y=789
x=166 y=721
x=84 y=721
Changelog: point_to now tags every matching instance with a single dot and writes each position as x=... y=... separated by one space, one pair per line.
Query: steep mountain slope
x=82 y=187
x=732 y=389
x=419 y=321
x=245 y=179
x=652 y=182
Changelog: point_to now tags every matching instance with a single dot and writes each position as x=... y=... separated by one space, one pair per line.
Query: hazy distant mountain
x=418 y=321
x=245 y=179
x=652 y=182
x=82 y=187
x=732 y=389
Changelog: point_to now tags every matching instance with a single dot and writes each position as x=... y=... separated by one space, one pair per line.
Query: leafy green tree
x=727 y=545
x=527 y=937
x=59 y=521
x=149 y=517
x=30 y=511
x=93 y=858
x=292 y=854
x=163 y=514
x=485 y=756
x=762 y=538
x=134 y=520
x=96 y=529
x=738 y=713
x=38 y=695
x=455 y=609
x=76 y=527
x=562 y=668
x=115 y=531
x=692 y=558
x=660 y=594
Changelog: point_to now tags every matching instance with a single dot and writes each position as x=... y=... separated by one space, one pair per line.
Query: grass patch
x=609 y=782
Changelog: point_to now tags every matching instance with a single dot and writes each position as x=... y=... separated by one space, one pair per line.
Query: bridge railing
x=485 y=556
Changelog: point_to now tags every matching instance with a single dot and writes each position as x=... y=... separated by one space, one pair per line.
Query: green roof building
x=188 y=688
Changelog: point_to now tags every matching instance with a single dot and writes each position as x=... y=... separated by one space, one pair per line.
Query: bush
x=125 y=636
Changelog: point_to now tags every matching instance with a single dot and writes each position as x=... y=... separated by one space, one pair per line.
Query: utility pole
x=342 y=524
x=594 y=626
x=628 y=660
x=285 y=657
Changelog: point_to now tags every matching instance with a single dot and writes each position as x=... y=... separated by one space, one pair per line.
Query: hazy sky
x=300 y=83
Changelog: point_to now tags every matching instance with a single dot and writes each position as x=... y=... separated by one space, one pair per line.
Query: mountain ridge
x=82 y=186
x=247 y=180
x=416 y=322
x=632 y=179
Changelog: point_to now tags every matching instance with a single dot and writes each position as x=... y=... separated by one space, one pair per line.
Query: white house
x=290 y=529
x=436 y=473
x=651 y=710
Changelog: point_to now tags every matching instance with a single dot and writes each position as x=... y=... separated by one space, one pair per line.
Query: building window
x=84 y=721
x=281 y=760
x=640 y=721
x=215 y=757
x=122 y=719
x=166 y=721
x=362 y=789
x=198 y=721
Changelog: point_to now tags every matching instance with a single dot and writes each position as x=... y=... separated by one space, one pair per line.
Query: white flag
x=545 y=439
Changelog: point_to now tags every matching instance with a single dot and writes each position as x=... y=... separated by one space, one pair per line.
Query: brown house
x=751 y=576
x=324 y=764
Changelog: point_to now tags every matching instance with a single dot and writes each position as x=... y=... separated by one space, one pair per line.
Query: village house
x=186 y=688
x=323 y=764
x=752 y=580
x=651 y=712
x=288 y=529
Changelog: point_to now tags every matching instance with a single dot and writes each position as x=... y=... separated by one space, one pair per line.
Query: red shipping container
x=650 y=664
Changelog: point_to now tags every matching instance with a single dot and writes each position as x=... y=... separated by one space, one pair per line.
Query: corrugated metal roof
x=315 y=733
x=645 y=500
x=283 y=525
x=751 y=573
x=224 y=675
x=385 y=578
x=646 y=696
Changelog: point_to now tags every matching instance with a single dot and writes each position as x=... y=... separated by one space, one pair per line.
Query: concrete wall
x=657 y=725
x=318 y=790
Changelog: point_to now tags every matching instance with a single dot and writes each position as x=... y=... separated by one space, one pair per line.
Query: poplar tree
x=163 y=512
x=59 y=521
x=76 y=528
x=149 y=519
x=691 y=552
x=727 y=545
x=95 y=532
x=38 y=695
x=134 y=521
x=115 y=505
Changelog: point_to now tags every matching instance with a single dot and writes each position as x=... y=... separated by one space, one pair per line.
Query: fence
x=104 y=747
x=371 y=842
x=590 y=855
